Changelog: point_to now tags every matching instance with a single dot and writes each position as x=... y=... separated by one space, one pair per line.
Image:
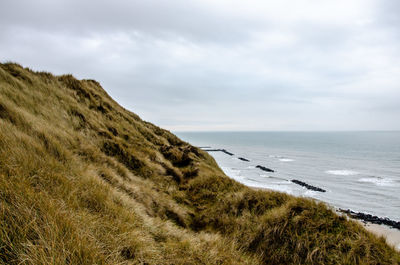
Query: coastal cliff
x=84 y=181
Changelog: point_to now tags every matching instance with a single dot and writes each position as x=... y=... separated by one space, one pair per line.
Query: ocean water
x=359 y=170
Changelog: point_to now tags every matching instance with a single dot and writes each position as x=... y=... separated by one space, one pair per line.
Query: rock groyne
x=371 y=218
x=219 y=150
x=265 y=168
x=307 y=186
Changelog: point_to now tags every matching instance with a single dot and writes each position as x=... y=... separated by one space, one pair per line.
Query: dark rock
x=265 y=168
x=371 y=218
x=243 y=159
x=226 y=152
x=219 y=150
x=307 y=186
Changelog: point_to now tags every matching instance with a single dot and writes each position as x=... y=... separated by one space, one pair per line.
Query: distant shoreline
x=391 y=234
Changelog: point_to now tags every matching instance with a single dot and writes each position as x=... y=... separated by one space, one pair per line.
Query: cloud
x=222 y=65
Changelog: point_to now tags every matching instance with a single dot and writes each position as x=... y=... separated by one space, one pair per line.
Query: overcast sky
x=219 y=64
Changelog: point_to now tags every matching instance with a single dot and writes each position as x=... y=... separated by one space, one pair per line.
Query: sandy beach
x=391 y=235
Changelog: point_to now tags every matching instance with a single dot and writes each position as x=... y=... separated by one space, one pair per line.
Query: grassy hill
x=84 y=181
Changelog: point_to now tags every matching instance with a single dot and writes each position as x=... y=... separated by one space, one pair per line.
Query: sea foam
x=379 y=181
x=342 y=172
x=230 y=172
x=286 y=160
x=275 y=156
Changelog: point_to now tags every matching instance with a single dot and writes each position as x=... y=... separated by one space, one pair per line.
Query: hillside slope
x=84 y=181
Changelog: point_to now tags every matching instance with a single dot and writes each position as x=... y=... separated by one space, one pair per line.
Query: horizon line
x=259 y=131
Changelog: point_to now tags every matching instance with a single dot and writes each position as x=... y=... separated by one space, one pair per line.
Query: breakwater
x=266 y=169
x=307 y=186
x=371 y=218
x=218 y=150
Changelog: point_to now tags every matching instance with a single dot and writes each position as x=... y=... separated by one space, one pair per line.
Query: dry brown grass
x=83 y=181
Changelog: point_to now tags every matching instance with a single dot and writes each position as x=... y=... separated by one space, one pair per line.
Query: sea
x=360 y=171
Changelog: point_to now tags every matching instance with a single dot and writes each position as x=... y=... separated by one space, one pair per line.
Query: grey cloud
x=165 y=19
x=210 y=65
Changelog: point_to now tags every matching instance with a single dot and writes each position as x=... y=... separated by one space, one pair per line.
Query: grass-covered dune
x=84 y=181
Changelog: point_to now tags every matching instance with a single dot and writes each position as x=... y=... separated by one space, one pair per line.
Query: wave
x=379 y=181
x=342 y=172
x=286 y=160
x=251 y=179
x=310 y=193
x=281 y=158
x=231 y=172
x=272 y=177
x=275 y=156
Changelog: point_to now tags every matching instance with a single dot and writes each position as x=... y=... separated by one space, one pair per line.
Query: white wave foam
x=231 y=172
x=275 y=156
x=276 y=187
x=342 y=172
x=281 y=180
x=379 y=181
x=286 y=160
x=310 y=193
x=251 y=179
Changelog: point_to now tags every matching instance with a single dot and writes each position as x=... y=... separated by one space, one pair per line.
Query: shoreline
x=390 y=234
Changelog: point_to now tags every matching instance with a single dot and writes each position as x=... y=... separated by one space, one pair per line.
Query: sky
x=219 y=65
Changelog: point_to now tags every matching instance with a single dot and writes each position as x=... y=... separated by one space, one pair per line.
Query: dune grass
x=84 y=181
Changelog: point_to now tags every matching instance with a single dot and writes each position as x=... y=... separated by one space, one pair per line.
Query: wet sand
x=391 y=235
